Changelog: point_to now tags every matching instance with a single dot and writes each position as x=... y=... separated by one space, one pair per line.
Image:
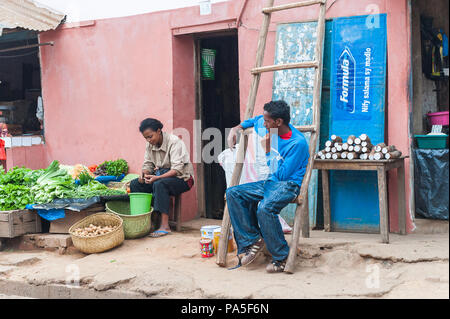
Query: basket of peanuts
x=97 y=233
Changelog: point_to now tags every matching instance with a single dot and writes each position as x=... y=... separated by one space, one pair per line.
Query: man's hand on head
x=232 y=136
x=265 y=143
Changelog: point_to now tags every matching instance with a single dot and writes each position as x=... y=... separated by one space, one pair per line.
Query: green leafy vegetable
x=14 y=197
x=22 y=186
x=94 y=188
x=18 y=176
x=112 y=168
x=85 y=177
x=54 y=183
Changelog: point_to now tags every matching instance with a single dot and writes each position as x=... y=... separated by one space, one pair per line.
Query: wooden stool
x=176 y=212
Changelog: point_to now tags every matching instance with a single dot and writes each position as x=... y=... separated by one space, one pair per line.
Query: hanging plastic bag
x=254 y=169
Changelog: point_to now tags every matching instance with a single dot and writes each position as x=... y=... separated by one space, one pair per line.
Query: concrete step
x=50 y=242
x=431 y=226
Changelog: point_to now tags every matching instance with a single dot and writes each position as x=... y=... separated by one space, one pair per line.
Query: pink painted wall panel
x=30 y=156
x=99 y=82
x=398 y=103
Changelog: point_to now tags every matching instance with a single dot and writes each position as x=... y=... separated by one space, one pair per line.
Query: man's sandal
x=251 y=252
x=276 y=266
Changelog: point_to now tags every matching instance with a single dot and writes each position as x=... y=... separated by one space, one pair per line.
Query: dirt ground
x=329 y=265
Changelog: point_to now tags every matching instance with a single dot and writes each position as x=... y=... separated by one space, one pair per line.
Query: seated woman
x=167 y=170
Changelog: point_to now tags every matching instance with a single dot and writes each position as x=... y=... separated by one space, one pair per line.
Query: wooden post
x=318 y=53
x=382 y=199
x=401 y=198
x=221 y=258
x=326 y=200
x=305 y=218
x=177 y=212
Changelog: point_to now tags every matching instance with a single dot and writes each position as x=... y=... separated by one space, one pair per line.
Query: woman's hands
x=147 y=178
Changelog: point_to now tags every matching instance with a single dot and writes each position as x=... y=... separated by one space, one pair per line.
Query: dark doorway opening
x=219 y=108
x=20 y=83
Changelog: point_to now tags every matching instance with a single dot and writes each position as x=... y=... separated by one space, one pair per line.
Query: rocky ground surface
x=329 y=265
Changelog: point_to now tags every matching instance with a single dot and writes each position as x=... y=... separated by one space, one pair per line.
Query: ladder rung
x=287 y=66
x=306 y=128
x=293 y=5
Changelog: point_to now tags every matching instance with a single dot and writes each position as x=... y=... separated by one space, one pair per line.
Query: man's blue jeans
x=253 y=210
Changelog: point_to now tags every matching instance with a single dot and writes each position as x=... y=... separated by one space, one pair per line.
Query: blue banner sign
x=358 y=73
x=358 y=78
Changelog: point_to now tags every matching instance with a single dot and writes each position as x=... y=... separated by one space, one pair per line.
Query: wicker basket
x=99 y=243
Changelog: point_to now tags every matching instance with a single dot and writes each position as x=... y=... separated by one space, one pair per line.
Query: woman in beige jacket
x=167 y=170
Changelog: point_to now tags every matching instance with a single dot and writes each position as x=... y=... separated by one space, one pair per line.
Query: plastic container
x=208 y=231
x=431 y=141
x=140 y=203
x=107 y=179
x=438 y=118
x=206 y=247
x=216 y=239
x=134 y=226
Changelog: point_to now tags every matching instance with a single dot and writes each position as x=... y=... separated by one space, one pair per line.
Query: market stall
x=60 y=193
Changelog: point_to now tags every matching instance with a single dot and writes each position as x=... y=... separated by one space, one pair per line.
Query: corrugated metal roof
x=28 y=14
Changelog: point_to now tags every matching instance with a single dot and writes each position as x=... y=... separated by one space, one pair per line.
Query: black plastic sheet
x=78 y=204
x=431 y=184
x=74 y=204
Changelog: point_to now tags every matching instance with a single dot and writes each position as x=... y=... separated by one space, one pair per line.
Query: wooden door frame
x=200 y=178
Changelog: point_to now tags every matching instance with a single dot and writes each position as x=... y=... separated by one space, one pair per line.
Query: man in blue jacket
x=253 y=207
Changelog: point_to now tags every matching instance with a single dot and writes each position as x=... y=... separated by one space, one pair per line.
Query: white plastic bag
x=255 y=167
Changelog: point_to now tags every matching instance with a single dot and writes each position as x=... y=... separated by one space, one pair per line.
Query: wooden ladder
x=301 y=221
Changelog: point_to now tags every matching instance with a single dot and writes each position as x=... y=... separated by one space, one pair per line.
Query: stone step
x=431 y=226
x=61 y=242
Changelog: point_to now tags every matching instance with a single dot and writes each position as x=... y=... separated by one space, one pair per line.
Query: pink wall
x=99 y=81
x=29 y=156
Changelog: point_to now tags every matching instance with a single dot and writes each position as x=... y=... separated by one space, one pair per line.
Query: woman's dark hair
x=150 y=123
x=278 y=110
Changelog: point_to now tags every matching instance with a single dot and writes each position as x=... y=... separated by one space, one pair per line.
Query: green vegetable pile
x=20 y=176
x=94 y=188
x=22 y=186
x=85 y=178
x=14 y=197
x=54 y=183
x=112 y=168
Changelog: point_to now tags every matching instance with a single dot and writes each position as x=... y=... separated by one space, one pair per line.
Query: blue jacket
x=287 y=159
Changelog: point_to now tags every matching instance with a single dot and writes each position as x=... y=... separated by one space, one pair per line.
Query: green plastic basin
x=140 y=203
x=134 y=226
x=431 y=141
